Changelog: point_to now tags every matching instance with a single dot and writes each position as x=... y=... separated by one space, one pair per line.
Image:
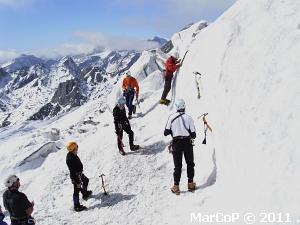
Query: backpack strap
x=188 y=130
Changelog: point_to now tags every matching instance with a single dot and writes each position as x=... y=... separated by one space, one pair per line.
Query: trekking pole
x=103 y=186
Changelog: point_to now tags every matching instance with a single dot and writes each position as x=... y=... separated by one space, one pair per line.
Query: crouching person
x=17 y=203
x=79 y=180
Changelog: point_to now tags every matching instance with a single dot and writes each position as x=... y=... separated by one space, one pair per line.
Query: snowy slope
x=250 y=88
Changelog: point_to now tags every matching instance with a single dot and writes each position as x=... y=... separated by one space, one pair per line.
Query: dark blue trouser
x=129 y=96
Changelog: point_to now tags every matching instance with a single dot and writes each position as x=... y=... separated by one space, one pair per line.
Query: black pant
x=83 y=190
x=130 y=133
x=167 y=87
x=183 y=147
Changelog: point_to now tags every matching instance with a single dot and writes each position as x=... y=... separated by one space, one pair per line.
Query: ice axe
x=103 y=186
x=206 y=126
x=138 y=102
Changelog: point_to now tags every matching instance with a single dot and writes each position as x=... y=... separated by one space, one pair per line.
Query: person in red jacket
x=171 y=65
x=130 y=88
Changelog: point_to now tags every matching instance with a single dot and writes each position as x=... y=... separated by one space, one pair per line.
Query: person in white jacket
x=182 y=129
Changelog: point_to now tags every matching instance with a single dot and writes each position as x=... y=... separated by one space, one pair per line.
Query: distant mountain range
x=32 y=88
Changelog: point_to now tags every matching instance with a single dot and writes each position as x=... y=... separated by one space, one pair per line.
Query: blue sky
x=57 y=27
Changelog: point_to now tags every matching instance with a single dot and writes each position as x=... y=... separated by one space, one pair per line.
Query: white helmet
x=121 y=100
x=179 y=104
x=11 y=180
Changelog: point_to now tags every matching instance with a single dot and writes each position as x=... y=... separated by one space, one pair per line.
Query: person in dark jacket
x=122 y=123
x=79 y=180
x=171 y=65
x=182 y=129
x=2 y=216
x=17 y=203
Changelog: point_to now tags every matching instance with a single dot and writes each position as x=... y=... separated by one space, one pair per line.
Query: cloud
x=91 y=41
x=114 y=42
x=6 y=56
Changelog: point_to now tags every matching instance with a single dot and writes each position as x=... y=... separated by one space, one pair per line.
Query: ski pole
x=103 y=186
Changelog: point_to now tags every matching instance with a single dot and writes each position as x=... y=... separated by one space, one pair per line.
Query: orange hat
x=71 y=146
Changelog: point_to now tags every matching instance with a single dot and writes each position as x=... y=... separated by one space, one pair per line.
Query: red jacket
x=171 y=66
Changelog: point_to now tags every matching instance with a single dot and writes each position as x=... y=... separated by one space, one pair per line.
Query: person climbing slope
x=171 y=65
x=182 y=129
x=79 y=180
x=122 y=123
x=130 y=89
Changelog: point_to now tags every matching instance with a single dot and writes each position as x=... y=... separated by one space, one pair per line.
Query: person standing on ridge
x=182 y=129
x=122 y=123
x=79 y=180
x=171 y=65
x=130 y=88
x=17 y=203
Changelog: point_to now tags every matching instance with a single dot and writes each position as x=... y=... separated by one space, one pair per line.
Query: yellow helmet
x=71 y=146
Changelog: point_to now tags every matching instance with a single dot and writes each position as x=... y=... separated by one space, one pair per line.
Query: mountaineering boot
x=168 y=101
x=175 y=189
x=129 y=117
x=79 y=208
x=122 y=152
x=134 y=147
x=86 y=195
x=192 y=186
x=164 y=101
